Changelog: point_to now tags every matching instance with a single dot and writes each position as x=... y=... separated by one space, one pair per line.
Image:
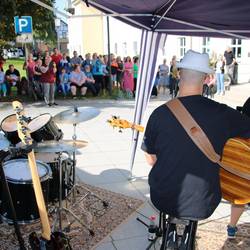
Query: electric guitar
x=236 y=155
x=48 y=241
x=115 y=121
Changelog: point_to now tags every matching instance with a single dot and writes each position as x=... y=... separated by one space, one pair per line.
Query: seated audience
x=12 y=79
x=90 y=82
x=64 y=82
x=77 y=79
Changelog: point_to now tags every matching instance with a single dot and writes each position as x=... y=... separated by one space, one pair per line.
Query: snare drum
x=19 y=179
x=9 y=127
x=67 y=173
x=43 y=128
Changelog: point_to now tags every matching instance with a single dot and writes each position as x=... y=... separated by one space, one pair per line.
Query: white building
x=125 y=40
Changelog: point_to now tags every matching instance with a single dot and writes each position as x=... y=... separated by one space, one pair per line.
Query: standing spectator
x=75 y=60
x=163 y=73
x=105 y=74
x=114 y=69
x=128 y=77
x=90 y=81
x=12 y=79
x=64 y=82
x=2 y=62
x=119 y=73
x=230 y=62
x=48 y=79
x=3 y=89
x=97 y=71
x=64 y=64
x=135 y=68
x=37 y=79
x=77 y=79
x=219 y=70
x=173 y=78
x=29 y=66
x=56 y=58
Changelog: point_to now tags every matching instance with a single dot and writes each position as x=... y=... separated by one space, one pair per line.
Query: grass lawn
x=18 y=63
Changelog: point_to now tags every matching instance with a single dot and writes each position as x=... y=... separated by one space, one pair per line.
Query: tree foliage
x=43 y=19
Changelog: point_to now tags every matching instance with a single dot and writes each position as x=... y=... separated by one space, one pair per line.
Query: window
x=135 y=48
x=125 y=49
x=206 y=45
x=236 y=47
x=116 y=48
x=182 y=46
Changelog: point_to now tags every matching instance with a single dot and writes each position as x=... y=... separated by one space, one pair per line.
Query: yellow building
x=85 y=34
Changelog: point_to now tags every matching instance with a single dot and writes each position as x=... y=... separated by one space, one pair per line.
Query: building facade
x=90 y=35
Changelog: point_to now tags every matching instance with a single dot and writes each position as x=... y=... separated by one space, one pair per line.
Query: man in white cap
x=183 y=182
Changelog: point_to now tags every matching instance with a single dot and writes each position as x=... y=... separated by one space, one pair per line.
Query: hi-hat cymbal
x=54 y=147
x=76 y=115
x=76 y=143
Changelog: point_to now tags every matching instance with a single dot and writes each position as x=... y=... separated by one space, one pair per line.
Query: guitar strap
x=198 y=136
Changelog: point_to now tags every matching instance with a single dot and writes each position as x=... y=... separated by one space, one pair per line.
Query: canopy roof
x=223 y=18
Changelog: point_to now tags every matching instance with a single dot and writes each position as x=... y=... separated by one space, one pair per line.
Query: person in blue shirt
x=64 y=82
x=90 y=81
x=97 y=71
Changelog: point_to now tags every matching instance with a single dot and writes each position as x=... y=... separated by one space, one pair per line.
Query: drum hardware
x=10 y=202
x=61 y=209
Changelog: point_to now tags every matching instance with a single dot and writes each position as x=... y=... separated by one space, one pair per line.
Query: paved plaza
x=105 y=161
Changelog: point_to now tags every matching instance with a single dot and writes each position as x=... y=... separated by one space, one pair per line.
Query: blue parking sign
x=23 y=24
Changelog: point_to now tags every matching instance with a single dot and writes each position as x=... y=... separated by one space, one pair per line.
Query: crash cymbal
x=76 y=115
x=53 y=147
x=76 y=143
x=4 y=143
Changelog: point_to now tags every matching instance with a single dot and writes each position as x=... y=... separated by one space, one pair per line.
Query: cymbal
x=4 y=143
x=76 y=115
x=54 y=147
x=76 y=143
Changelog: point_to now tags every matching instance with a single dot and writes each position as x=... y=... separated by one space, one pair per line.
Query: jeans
x=220 y=82
x=49 y=93
x=3 y=88
x=65 y=88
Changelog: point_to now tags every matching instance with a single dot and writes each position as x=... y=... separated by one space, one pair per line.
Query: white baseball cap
x=195 y=61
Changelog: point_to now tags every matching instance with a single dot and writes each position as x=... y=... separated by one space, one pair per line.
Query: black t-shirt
x=246 y=107
x=184 y=182
x=229 y=56
x=15 y=72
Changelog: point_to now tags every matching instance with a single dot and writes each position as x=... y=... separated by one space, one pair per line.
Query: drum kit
x=55 y=160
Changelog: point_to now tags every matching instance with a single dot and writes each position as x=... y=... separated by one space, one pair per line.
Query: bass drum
x=52 y=159
x=19 y=179
x=43 y=128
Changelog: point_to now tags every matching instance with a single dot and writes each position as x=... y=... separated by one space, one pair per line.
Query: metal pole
x=109 y=57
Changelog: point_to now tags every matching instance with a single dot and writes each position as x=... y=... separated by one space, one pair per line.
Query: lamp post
x=57 y=25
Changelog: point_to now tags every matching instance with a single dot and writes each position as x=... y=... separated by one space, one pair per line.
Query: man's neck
x=187 y=90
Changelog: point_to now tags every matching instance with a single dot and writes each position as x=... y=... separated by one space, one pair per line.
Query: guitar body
x=236 y=154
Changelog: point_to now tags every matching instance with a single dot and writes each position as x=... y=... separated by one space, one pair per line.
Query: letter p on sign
x=23 y=25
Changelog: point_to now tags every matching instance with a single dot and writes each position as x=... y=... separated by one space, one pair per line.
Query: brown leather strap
x=198 y=136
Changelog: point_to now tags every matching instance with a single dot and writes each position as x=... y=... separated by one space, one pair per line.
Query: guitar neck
x=46 y=231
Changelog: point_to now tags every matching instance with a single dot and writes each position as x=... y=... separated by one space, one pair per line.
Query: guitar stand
x=60 y=209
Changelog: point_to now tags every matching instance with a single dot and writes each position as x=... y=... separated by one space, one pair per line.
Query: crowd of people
x=58 y=73
x=223 y=67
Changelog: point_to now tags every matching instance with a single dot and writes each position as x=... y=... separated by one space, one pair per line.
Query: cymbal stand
x=61 y=209
x=76 y=186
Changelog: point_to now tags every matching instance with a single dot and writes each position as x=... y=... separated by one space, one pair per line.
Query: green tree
x=43 y=19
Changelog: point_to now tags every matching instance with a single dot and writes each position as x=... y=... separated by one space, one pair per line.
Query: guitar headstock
x=116 y=122
x=22 y=125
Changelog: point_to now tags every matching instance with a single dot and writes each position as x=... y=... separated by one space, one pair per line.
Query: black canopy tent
x=213 y=18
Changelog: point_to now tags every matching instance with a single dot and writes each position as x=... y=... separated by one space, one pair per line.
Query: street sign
x=24 y=38
x=23 y=24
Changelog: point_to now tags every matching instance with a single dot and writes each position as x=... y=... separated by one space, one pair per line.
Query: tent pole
x=109 y=58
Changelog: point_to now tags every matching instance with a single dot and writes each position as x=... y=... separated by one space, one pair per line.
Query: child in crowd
x=64 y=82
x=3 y=88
